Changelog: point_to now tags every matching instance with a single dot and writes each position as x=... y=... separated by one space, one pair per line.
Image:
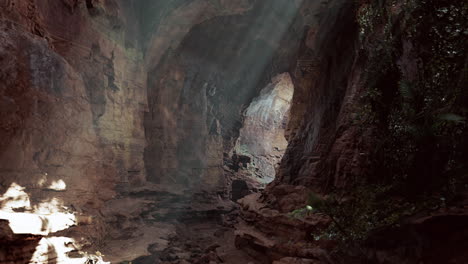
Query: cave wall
x=96 y=46
x=72 y=98
x=137 y=106
x=72 y=84
x=322 y=149
x=355 y=127
x=337 y=134
x=196 y=112
x=124 y=101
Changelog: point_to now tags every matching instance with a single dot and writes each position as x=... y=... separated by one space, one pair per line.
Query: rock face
x=72 y=97
x=262 y=136
x=332 y=150
x=66 y=88
x=184 y=138
x=324 y=131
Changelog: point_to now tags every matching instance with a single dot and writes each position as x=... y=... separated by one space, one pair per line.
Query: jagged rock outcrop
x=272 y=235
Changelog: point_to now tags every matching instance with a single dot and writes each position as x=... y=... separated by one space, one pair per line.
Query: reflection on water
x=44 y=218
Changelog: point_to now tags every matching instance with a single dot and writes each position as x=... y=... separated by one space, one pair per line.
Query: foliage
x=365 y=210
x=415 y=99
x=420 y=114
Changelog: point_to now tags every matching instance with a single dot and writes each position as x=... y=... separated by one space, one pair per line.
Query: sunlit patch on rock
x=15 y=198
x=46 y=217
x=43 y=219
x=58 y=249
x=58 y=186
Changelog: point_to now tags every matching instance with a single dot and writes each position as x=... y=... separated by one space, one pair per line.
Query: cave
x=233 y=131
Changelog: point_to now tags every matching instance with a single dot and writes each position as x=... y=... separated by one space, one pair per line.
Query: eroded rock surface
x=262 y=136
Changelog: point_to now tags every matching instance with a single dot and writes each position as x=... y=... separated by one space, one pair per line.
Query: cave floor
x=200 y=242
